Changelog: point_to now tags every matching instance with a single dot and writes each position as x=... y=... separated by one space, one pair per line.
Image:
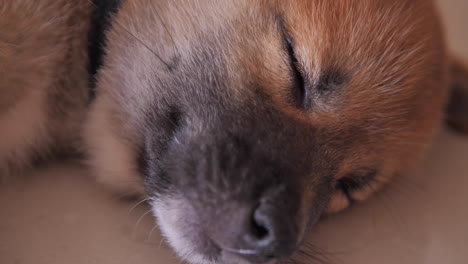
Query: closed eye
x=355 y=181
x=299 y=92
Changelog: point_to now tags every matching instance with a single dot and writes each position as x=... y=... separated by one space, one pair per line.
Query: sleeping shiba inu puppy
x=242 y=121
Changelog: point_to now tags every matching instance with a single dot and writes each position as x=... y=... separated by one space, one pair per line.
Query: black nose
x=258 y=235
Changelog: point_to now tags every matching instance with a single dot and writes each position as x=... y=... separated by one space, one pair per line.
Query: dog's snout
x=259 y=234
x=244 y=183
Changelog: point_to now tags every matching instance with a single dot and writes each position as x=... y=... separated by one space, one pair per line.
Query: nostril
x=259 y=226
x=261 y=233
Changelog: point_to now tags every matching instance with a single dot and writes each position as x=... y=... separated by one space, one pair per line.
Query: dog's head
x=248 y=120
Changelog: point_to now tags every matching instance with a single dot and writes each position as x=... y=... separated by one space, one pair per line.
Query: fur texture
x=43 y=81
x=244 y=121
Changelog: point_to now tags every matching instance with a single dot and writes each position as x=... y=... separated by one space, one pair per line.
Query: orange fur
x=385 y=107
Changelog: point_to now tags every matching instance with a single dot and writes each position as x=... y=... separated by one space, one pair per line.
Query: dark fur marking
x=149 y=161
x=457 y=109
x=330 y=79
x=100 y=23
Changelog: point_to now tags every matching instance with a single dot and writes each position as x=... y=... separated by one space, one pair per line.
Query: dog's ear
x=457 y=111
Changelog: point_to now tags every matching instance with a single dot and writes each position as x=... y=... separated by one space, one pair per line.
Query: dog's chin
x=180 y=226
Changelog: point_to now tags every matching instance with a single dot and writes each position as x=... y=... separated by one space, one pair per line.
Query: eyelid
x=299 y=93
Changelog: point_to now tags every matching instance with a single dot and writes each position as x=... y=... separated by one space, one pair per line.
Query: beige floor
x=58 y=216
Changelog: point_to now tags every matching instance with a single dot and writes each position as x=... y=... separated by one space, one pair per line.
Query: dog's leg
x=43 y=79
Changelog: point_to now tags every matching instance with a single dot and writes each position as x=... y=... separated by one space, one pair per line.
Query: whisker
x=389 y=203
x=410 y=185
x=386 y=201
x=290 y=261
x=168 y=66
x=150 y=234
x=316 y=254
x=139 y=221
x=138 y=203
x=161 y=242
x=124 y=196
x=168 y=32
x=312 y=257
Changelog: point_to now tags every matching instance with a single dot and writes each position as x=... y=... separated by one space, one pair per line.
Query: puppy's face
x=247 y=120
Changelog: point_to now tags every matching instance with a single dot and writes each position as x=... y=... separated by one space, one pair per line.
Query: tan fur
x=43 y=78
x=112 y=154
